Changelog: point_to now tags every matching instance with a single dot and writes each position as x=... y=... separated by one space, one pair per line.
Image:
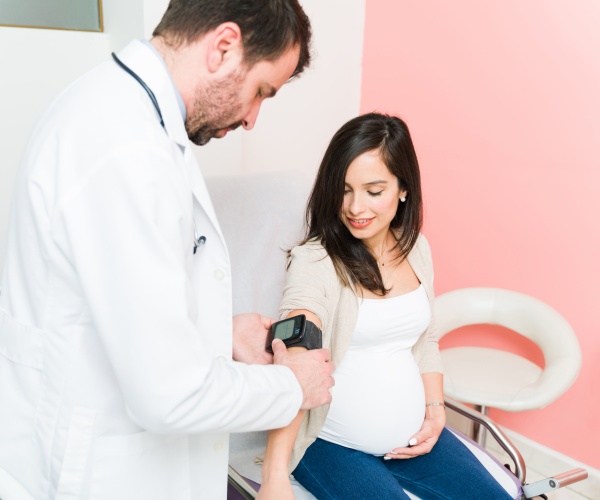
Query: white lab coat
x=116 y=379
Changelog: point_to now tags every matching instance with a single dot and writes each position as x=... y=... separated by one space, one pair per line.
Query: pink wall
x=503 y=101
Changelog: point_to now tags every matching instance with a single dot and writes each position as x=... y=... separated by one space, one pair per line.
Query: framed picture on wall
x=79 y=15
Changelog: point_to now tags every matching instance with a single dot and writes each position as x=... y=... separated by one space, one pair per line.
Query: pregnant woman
x=364 y=275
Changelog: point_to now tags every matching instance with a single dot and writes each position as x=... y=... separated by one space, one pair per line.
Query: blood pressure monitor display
x=295 y=331
x=288 y=328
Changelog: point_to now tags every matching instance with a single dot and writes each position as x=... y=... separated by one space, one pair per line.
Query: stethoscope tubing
x=198 y=240
x=143 y=85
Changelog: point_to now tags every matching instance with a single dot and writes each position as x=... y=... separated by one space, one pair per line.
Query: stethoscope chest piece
x=200 y=241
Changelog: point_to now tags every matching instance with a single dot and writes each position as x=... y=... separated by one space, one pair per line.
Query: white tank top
x=378 y=398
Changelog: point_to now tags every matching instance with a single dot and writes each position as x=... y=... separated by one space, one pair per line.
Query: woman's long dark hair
x=389 y=136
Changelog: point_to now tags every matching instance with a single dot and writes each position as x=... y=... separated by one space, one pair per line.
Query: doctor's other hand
x=250 y=337
x=313 y=369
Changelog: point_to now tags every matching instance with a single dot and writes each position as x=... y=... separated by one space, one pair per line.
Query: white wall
x=292 y=130
x=126 y=20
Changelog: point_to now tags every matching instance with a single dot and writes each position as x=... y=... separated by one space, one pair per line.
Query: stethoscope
x=144 y=86
x=198 y=240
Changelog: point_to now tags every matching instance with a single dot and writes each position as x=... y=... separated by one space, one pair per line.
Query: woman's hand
x=424 y=440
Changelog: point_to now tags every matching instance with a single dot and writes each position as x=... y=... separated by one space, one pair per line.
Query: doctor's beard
x=215 y=109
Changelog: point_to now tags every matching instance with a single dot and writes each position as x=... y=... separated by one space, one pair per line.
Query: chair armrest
x=495 y=432
x=554 y=482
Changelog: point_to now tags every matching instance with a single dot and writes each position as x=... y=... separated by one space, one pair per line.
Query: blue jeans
x=449 y=471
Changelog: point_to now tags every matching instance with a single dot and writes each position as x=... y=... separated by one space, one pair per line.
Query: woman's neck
x=382 y=251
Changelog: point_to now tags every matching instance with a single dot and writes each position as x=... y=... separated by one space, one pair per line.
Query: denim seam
x=315 y=479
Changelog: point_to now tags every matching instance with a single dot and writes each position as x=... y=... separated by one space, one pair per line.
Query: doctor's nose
x=250 y=119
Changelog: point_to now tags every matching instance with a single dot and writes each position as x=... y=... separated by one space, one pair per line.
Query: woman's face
x=371 y=199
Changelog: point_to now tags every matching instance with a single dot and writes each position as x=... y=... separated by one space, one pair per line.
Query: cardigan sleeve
x=426 y=350
x=307 y=283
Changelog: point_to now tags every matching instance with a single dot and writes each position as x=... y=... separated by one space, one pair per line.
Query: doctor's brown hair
x=390 y=138
x=269 y=27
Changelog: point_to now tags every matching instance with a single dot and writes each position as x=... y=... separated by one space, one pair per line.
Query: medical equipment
x=296 y=331
x=143 y=85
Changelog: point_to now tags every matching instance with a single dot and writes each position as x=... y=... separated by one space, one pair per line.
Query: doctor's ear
x=225 y=47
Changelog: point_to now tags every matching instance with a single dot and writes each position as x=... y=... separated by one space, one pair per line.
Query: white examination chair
x=262 y=216
x=494 y=378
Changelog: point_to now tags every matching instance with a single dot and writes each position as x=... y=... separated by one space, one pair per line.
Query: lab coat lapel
x=152 y=71
x=200 y=190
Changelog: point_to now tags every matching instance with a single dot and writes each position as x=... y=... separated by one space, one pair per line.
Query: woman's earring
x=403 y=199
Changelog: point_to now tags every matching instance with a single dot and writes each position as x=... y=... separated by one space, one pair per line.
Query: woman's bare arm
x=280 y=442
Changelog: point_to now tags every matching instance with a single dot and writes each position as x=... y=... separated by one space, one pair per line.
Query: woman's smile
x=360 y=223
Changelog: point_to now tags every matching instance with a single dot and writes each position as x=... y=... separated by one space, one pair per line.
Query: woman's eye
x=378 y=193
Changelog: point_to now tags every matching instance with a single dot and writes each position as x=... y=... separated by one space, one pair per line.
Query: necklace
x=379 y=259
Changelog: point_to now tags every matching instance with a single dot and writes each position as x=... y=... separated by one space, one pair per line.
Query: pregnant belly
x=378 y=402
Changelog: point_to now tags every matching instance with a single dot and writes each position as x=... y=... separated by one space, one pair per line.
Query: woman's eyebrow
x=371 y=183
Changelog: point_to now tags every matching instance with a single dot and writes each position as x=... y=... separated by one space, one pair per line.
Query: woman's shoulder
x=421 y=250
x=311 y=259
x=422 y=244
x=311 y=250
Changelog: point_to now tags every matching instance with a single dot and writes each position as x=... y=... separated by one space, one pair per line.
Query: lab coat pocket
x=20 y=343
x=141 y=465
x=21 y=362
x=79 y=438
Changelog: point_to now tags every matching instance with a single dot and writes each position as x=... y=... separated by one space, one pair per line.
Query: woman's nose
x=356 y=206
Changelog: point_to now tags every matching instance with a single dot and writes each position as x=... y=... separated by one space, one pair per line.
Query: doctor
x=116 y=371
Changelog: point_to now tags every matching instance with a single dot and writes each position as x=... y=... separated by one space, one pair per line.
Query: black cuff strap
x=313 y=337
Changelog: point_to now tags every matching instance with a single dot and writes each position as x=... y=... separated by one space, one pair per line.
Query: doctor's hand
x=313 y=369
x=250 y=337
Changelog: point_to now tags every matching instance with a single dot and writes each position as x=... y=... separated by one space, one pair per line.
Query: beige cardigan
x=312 y=284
